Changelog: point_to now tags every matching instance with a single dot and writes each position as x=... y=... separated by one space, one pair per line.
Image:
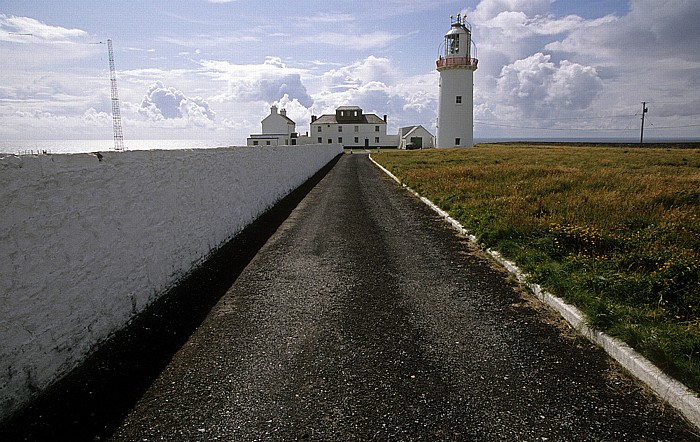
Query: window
x=330 y=141
x=452 y=44
x=357 y=140
x=376 y=139
x=340 y=140
x=340 y=128
x=267 y=143
x=357 y=128
x=255 y=143
x=319 y=128
x=459 y=99
x=376 y=128
x=457 y=141
x=320 y=140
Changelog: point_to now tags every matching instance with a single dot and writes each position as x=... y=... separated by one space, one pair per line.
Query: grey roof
x=289 y=120
x=403 y=131
x=366 y=119
x=406 y=131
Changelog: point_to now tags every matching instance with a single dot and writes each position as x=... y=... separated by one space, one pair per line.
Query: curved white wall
x=87 y=243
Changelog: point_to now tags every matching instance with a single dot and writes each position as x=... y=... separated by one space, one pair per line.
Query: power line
x=543 y=128
x=484 y=123
x=577 y=118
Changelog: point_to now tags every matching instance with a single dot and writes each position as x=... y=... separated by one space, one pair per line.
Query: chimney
x=385 y=118
x=273 y=109
x=283 y=112
x=313 y=118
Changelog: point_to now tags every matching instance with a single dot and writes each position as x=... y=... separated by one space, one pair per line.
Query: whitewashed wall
x=87 y=241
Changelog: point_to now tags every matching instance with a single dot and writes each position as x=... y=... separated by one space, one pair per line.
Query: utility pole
x=116 y=114
x=644 y=111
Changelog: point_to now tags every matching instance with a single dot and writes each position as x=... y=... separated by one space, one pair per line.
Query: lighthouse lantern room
x=455 y=123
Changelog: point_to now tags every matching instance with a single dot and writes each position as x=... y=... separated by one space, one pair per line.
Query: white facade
x=455 y=124
x=277 y=130
x=351 y=128
x=415 y=137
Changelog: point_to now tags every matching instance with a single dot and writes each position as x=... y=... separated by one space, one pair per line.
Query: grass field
x=614 y=230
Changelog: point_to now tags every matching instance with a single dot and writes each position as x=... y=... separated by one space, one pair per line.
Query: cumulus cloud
x=361 y=72
x=268 y=82
x=273 y=89
x=167 y=103
x=536 y=85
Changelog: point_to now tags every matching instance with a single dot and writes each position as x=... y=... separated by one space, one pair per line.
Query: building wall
x=267 y=140
x=277 y=124
x=456 y=120
x=428 y=140
x=352 y=135
x=89 y=240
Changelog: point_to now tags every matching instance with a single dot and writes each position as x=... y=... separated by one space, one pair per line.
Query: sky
x=211 y=69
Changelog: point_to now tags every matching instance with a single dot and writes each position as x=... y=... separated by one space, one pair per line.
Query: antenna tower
x=116 y=114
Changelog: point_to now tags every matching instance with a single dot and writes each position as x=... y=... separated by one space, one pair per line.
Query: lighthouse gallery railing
x=456 y=61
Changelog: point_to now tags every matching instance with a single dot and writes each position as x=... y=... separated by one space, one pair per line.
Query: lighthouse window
x=458 y=100
x=452 y=44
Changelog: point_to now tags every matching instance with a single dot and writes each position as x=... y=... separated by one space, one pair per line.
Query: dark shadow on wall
x=92 y=400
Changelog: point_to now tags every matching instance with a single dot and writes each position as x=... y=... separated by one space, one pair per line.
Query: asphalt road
x=366 y=317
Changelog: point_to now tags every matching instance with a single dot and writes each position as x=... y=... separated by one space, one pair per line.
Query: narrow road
x=365 y=317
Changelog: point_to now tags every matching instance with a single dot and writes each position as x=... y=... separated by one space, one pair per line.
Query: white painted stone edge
x=669 y=389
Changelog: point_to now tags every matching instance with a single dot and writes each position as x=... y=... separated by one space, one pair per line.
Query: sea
x=29 y=147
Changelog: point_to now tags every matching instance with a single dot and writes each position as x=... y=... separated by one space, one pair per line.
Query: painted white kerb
x=669 y=389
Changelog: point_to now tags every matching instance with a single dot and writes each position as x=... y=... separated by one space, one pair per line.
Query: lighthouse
x=455 y=123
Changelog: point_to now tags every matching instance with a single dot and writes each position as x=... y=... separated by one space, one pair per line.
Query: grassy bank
x=613 y=230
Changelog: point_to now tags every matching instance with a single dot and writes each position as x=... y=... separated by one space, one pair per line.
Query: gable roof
x=406 y=131
x=289 y=120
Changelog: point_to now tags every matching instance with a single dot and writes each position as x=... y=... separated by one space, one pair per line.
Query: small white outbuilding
x=415 y=137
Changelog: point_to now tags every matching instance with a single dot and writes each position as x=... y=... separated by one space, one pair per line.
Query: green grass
x=615 y=231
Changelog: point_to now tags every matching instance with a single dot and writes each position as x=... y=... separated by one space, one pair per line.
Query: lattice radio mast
x=116 y=114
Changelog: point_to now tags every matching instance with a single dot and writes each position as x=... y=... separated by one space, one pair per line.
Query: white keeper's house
x=352 y=128
x=349 y=126
x=277 y=130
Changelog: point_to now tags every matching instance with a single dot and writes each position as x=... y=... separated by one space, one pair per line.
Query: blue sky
x=202 y=69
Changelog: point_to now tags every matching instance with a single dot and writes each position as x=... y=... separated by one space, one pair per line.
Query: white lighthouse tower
x=455 y=123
